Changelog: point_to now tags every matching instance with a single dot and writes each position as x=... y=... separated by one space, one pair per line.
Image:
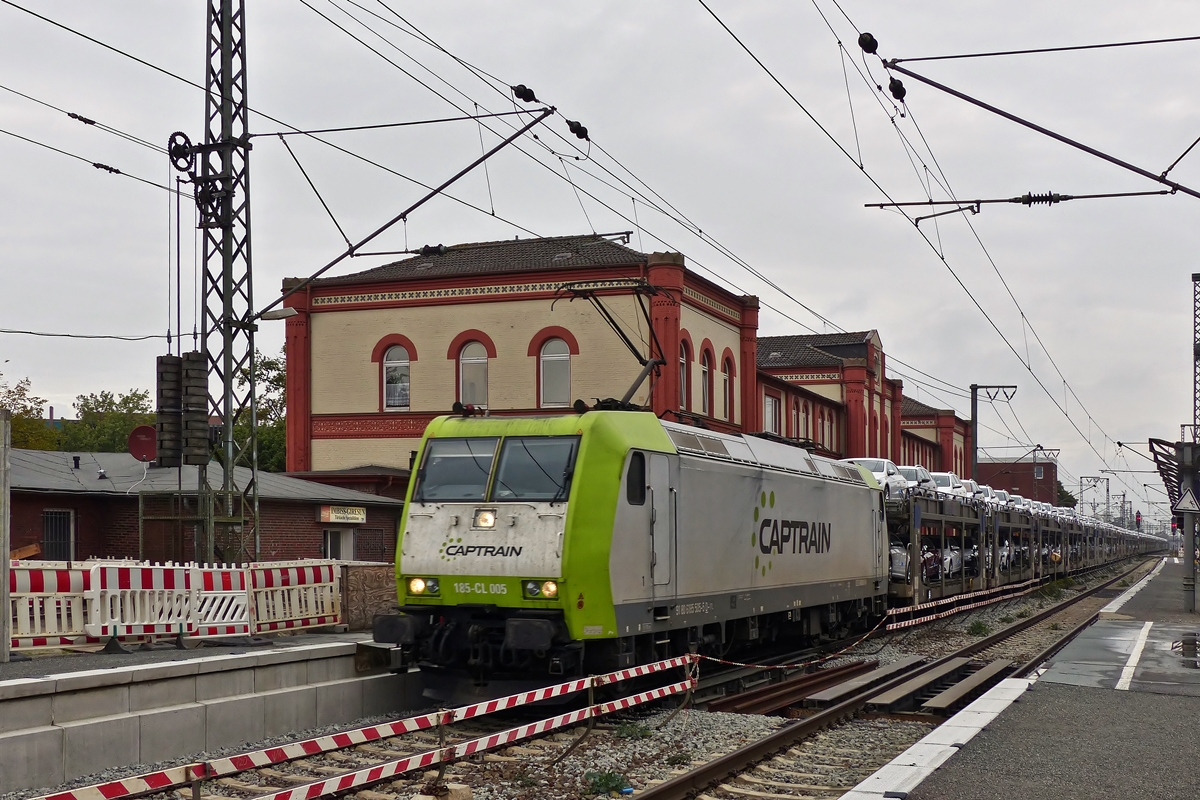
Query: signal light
x=577 y=129
x=524 y=93
x=897 y=89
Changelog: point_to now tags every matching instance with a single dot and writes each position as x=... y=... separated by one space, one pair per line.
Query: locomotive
x=590 y=542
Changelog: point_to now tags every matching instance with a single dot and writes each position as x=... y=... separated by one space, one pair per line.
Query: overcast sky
x=1104 y=284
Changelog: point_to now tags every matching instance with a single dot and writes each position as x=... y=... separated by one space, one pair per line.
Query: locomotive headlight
x=484 y=518
x=532 y=589
x=431 y=585
x=416 y=586
x=550 y=589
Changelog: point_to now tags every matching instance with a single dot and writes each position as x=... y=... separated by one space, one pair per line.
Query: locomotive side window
x=635 y=480
x=456 y=469
x=535 y=468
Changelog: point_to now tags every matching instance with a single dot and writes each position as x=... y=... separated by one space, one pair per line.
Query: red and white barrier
x=184 y=774
x=57 y=605
x=224 y=605
x=286 y=595
x=48 y=607
x=141 y=601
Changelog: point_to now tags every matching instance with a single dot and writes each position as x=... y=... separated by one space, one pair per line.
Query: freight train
x=590 y=542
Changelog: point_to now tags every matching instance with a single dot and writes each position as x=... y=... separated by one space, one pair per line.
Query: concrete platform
x=59 y=723
x=1116 y=713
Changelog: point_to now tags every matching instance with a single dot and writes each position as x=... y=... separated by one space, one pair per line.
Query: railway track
x=856 y=718
x=865 y=723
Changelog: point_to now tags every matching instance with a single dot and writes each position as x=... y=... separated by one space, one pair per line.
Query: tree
x=1065 y=498
x=106 y=420
x=272 y=411
x=29 y=430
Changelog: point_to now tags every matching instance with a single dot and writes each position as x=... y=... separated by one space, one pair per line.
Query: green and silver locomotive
x=558 y=545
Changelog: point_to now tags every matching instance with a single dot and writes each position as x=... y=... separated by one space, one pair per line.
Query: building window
x=727 y=389
x=58 y=535
x=684 y=376
x=706 y=383
x=473 y=375
x=804 y=421
x=771 y=414
x=395 y=379
x=795 y=420
x=338 y=544
x=1037 y=472
x=556 y=374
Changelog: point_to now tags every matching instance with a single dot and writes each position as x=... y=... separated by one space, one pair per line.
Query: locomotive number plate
x=481 y=588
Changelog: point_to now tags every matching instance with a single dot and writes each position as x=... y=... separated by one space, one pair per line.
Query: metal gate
x=57 y=539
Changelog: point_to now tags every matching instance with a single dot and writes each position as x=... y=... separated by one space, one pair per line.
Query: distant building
x=75 y=506
x=1033 y=476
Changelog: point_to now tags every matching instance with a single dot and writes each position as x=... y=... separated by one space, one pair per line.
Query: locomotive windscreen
x=535 y=468
x=456 y=470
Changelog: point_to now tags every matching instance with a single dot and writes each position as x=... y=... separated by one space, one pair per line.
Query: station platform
x=1116 y=713
x=65 y=717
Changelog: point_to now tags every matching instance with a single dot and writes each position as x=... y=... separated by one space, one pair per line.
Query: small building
x=76 y=506
x=1033 y=475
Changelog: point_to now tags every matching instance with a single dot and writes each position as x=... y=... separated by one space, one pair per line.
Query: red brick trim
x=552 y=332
x=392 y=339
x=728 y=356
x=472 y=335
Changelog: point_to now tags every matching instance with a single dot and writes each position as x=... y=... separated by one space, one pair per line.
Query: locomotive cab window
x=535 y=468
x=635 y=480
x=456 y=469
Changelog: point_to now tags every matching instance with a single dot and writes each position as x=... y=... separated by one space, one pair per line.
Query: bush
x=1007 y=618
x=679 y=759
x=1022 y=614
x=605 y=782
x=1054 y=626
x=978 y=628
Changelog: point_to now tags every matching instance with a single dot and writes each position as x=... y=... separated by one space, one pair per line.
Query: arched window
x=684 y=376
x=804 y=421
x=556 y=374
x=395 y=379
x=795 y=419
x=727 y=388
x=821 y=425
x=706 y=383
x=473 y=375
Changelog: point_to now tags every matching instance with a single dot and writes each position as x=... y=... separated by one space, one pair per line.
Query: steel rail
x=782 y=694
x=697 y=781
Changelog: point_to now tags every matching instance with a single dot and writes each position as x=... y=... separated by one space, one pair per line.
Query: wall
x=721 y=335
x=346 y=381
x=1018 y=477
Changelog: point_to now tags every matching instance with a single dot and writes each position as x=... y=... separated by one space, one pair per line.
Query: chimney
x=76 y=460
x=51 y=415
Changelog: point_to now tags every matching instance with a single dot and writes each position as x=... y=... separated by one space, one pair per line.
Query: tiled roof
x=487 y=258
x=915 y=408
x=803 y=351
x=53 y=471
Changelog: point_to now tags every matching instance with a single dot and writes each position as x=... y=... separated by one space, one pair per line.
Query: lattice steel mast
x=222 y=188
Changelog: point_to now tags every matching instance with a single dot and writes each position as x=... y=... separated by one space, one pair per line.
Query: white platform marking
x=1134 y=658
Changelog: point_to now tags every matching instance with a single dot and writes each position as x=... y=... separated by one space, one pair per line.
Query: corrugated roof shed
x=517 y=255
x=122 y=474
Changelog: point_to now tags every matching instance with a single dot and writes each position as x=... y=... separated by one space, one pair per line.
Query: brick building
x=936 y=438
x=1033 y=475
x=74 y=506
x=372 y=357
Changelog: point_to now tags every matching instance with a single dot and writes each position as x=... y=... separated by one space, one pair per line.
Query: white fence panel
x=47 y=605
x=224 y=602
x=141 y=601
x=287 y=595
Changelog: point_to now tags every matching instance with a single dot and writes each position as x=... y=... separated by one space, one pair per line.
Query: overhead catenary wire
x=114 y=336
x=1066 y=49
x=93 y=123
x=95 y=164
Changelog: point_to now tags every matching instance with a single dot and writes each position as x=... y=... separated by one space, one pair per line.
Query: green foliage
x=272 y=411
x=1022 y=614
x=1065 y=498
x=29 y=431
x=1055 y=626
x=632 y=730
x=105 y=421
x=1052 y=592
x=979 y=628
x=679 y=759
x=605 y=782
x=1007 y=618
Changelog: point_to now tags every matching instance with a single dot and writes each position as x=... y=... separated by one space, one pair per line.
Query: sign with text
x=356 y=515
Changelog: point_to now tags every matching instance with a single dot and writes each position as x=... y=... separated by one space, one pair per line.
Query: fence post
x=5 y=542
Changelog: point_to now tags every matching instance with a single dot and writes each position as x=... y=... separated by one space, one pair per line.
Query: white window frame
x=406 y=362
x=771 y=418
x=684 y=375
x=727 y=389
x=543 y=357
x=464 y=360
x=345 y=538
x=705 y=376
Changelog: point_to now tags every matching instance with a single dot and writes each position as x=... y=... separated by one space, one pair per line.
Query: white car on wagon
x=894 y=484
